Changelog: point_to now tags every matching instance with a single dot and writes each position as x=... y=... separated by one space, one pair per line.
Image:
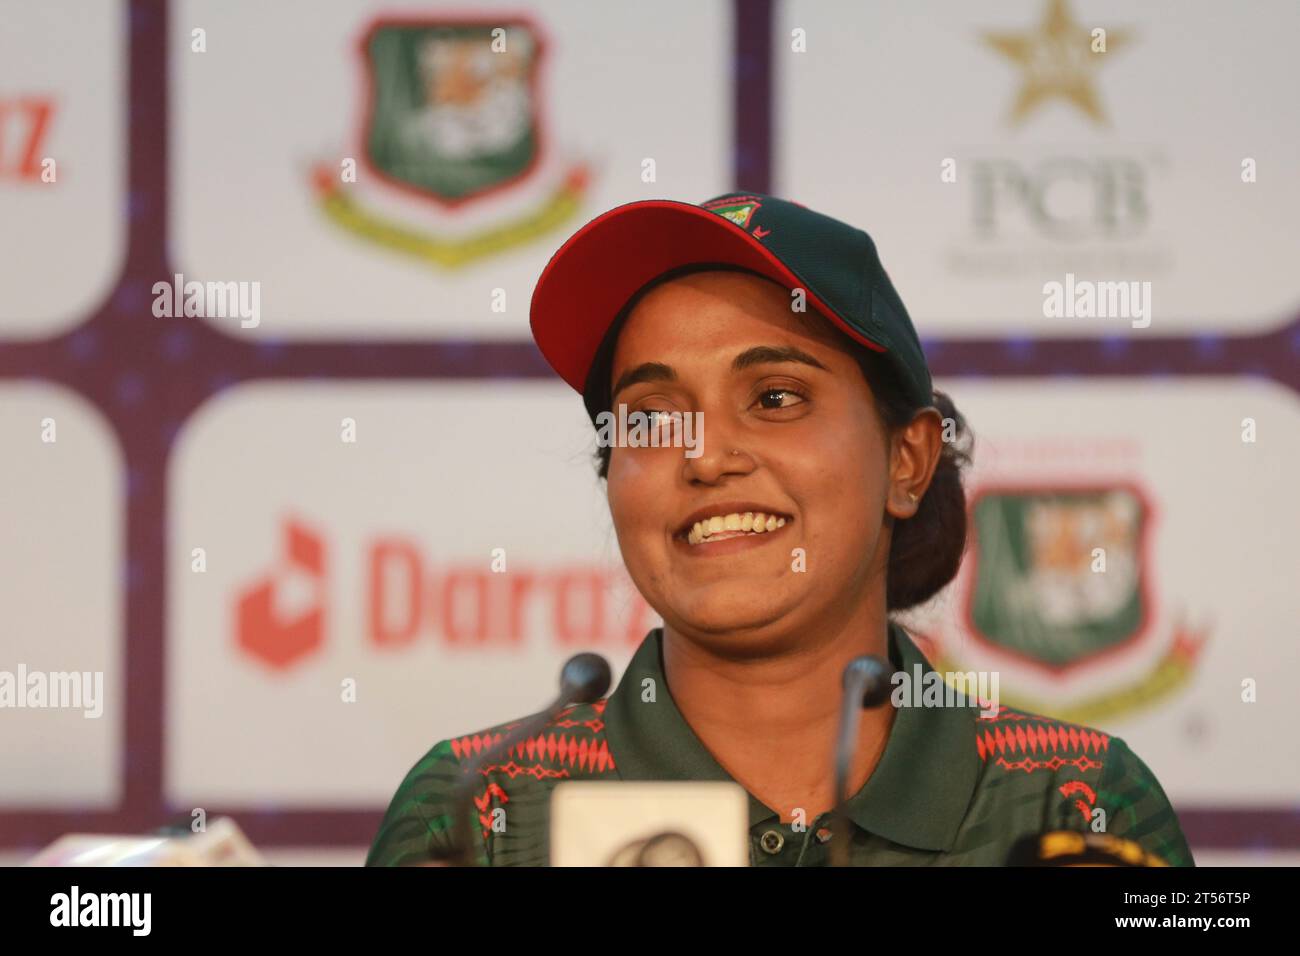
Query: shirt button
x=823 y=835
x=771 y=842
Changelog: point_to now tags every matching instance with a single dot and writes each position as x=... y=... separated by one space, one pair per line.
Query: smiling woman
x=792 y=425
x=926 y=549
x=824 y=494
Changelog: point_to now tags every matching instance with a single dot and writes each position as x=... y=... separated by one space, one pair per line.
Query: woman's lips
x=727 y=542
x=709 y=527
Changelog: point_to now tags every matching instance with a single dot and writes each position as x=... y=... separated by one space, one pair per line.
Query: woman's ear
x=914 y=453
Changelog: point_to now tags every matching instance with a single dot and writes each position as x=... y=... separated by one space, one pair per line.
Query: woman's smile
x=716 y=521
x=705 y=536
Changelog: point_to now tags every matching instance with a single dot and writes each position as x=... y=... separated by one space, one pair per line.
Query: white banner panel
x=62 y=578
x=991 y=149
x=63 y=89
x=383 y=171
x=355 y=601
x=1132 y=566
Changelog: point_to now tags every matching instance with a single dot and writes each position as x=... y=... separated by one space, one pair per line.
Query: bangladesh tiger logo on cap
x=739 y=209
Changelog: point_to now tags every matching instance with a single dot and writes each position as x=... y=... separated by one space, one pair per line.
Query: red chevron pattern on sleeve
x=1015 y=740
x=575 y=740
x=571 y=746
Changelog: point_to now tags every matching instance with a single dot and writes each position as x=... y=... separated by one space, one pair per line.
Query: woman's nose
x=722 y=451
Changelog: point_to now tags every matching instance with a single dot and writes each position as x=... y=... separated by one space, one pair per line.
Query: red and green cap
x=603 y=265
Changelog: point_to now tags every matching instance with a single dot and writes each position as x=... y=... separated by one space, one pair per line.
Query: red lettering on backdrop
x=586 y=588
x=29 y=119
x=521 y=582
x=585 y=606
x=396 y=589
x=458 y=587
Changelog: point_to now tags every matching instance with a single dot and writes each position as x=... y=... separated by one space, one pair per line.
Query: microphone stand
x=584 y=679
x=866 y=685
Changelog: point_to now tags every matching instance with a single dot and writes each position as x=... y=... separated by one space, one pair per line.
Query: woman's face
x=813 y=452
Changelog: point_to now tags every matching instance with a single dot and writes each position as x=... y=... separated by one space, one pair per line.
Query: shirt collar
x=917 y=795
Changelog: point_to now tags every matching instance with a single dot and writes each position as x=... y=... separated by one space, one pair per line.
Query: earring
x=912 y=496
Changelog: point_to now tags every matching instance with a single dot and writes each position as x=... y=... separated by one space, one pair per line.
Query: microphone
x=866 y=685
x=584 y=679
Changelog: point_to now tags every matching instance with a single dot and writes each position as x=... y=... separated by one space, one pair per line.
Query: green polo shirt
x=952 y=787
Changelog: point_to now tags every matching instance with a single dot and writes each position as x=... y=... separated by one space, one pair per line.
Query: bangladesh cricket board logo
x=1060 y=578
x=451 y=115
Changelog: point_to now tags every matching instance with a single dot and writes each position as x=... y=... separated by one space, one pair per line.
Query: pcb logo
x=450 y=115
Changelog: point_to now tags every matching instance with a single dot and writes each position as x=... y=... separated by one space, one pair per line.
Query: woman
x=825 y=495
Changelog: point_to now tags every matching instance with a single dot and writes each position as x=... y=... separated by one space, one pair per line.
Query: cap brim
x=601 y=266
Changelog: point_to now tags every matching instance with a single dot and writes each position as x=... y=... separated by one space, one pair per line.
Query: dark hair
x=926 y=549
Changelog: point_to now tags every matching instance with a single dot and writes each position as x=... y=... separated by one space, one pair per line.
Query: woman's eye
x=658 y=418
x=779 y=398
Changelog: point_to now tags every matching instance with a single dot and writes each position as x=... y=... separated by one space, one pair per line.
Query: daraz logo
x=281 y=618
x=406 y=598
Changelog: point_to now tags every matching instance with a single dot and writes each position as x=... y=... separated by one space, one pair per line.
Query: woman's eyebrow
x=758 y=355
x=764 y=354
x=645 y=372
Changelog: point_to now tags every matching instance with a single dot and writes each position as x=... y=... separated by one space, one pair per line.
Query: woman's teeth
x=732 y=525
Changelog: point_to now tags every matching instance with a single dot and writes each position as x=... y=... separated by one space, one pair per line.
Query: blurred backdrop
x=281 y=463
